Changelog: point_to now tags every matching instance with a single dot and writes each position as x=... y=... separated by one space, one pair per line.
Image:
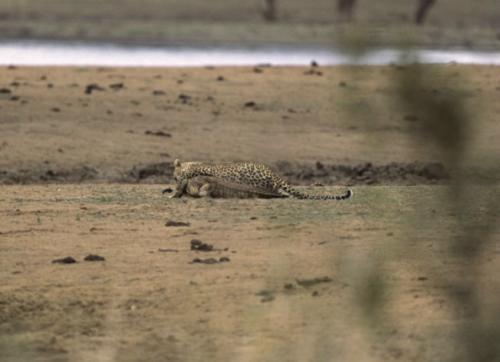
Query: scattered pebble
x=205 y=261
x=158 y=93
x=116 y=86
x=93 y=87
x=157 y=133
x=184 y=98
x=198 y=245
x=66 y=260
x=250 y=104
x=176 y=223
x=5 y=91
x=223 y=259
x=310 y=282
x=220 y=78
x=94 y=257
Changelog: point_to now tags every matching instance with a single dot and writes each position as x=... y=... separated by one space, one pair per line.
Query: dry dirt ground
x=292 y=288
x=121 y=124
x=369 y=279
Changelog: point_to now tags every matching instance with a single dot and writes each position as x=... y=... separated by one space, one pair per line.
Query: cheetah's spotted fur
x=237 y=179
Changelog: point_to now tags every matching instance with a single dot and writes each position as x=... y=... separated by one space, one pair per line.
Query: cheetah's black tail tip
x=347 y=195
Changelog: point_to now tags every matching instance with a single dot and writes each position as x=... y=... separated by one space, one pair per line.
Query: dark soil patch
x=363 y=174
x=305 y=174
x=44 y=175
x=154 y=172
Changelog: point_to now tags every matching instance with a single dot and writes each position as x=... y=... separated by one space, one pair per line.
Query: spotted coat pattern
x=255 y=177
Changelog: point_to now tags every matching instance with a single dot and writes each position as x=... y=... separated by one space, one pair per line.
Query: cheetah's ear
x=177 y=163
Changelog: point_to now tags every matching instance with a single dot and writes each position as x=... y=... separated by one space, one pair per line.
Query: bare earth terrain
x=286 y=292
x=86 y=152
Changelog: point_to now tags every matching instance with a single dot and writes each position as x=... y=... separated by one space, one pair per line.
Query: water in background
x=60 y=53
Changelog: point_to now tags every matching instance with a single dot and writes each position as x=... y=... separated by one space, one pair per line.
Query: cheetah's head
x=180 y=168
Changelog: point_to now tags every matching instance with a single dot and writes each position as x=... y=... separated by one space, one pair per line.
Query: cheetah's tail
x=302 y=195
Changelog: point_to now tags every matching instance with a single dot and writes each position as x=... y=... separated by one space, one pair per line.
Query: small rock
x=250 y=104
x=55 y=109
x=157 y=133
x=93 y=87
x=66 y=260
x=224 y=259
x=288 y=286
x=205 y=261
x=94 y=257
x=310 y=282
x=5 y=91
x=342 y=84
x=176 y=223
x=198 y=245
x=116 y=86
x=158 y=93
x=220 y=78
x=184 y=98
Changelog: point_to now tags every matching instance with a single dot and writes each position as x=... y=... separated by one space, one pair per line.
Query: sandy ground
x=373 y=278
x=290 y=290
x=120 y=124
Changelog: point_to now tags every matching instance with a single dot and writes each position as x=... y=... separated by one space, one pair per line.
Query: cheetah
x=237 y=179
